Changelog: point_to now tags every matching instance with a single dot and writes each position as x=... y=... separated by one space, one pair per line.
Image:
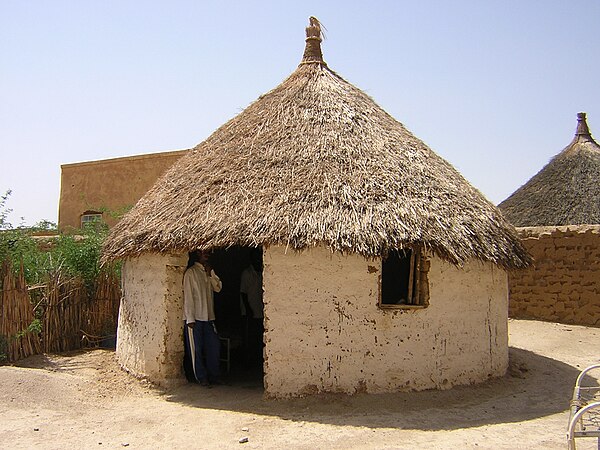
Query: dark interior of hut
x=241 y=335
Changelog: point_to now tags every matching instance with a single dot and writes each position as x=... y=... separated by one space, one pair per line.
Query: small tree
x=4 y=211
x=15 y=243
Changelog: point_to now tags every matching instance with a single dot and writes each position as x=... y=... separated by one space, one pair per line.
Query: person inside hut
x=200 y=282
x=251 y=307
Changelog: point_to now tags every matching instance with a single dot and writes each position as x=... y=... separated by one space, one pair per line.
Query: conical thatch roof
x=566 y=191
x=314 y=162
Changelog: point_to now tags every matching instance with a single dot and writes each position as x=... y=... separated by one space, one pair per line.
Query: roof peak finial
x=314 y=36
x=582 y=126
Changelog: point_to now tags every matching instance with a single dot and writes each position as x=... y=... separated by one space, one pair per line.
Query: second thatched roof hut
x=566 y=191
x=558 y=215
x=381 y=260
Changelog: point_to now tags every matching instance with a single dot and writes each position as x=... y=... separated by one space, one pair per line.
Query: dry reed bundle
x=566 y=191
x=64 y=300
x=16 y=316
x=102 y=310
x=67 y=312
x=316 y=162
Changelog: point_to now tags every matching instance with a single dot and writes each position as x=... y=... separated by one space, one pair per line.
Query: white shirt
x=198 y=288
x=251 y=285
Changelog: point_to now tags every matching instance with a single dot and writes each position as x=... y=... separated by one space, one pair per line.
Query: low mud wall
x=563 y=285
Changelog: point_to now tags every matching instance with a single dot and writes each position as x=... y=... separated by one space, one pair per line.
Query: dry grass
x=565 y=192
x=16 y=315
x=316 y=162
x=70 y=317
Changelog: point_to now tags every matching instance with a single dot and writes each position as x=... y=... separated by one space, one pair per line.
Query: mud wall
x=564 y=283
x=324 y=331
x=109 y=186
x=150 y=331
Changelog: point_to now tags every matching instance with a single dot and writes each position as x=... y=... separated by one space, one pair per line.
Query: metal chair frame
x=584 y=418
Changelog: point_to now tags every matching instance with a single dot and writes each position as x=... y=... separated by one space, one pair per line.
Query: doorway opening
x=239 y=318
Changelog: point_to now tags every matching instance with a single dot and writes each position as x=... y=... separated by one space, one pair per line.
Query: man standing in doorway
x=199 y=284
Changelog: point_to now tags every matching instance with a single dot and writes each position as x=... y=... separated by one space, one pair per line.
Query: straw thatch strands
x=566 y=191
x=316 y=162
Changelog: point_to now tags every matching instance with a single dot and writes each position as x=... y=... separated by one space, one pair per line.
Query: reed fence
x=59 y=315
x=18 y=337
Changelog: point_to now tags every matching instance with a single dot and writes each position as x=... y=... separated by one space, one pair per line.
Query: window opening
x=403 y=279
x=90 y=217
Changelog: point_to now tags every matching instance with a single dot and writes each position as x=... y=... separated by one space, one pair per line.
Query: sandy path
x=85 y=401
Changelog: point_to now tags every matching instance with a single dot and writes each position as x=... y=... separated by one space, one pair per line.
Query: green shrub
x=80 y=255
x=75 y=255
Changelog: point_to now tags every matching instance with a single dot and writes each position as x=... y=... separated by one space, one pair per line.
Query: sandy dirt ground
x=84 y=400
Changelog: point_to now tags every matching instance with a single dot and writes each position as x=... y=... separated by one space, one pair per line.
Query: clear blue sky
x=491 y=86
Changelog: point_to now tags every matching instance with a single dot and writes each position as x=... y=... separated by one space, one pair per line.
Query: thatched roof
x=566 y=191
x=315 y=162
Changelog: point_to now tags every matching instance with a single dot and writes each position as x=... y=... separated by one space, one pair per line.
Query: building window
x=89 y=217
x=404 y=281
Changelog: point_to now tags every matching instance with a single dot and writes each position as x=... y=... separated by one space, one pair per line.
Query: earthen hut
x=384 y=269
x=557 y=213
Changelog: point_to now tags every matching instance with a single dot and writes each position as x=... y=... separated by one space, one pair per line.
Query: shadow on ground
x=535 y=387
x=69 y=361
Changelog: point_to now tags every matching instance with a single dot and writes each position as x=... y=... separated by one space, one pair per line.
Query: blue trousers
x=206 y=349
